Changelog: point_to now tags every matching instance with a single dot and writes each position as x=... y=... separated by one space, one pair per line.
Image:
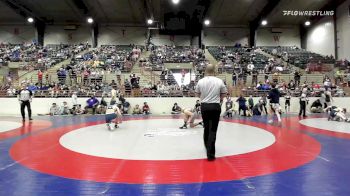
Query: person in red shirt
x=145 y=108
x=40 y=77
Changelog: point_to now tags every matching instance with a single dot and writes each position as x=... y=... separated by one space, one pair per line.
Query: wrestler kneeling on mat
x=336 y=114
x=189 y=116
x=113 y=114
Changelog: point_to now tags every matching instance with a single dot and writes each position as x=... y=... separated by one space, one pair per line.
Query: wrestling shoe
x=116 y=126
x=183 y=127
x=108 y=127
x=201 y=123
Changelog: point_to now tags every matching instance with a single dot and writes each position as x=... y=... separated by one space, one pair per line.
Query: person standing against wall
x=211 y=91
x=25 y=98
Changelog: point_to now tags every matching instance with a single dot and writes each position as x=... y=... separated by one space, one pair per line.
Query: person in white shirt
x=75 y=98
x=211 y=91
x=25 y=98
x=113 y=114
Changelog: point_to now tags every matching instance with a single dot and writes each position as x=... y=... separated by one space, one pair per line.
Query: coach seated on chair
x=92 y=103
x=316 y=107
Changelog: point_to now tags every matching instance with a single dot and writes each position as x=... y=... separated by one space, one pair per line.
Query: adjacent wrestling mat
x=150 y=155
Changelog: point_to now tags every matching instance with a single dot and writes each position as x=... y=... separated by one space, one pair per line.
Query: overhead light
x=207 y=22
x=30 y=20
x=90 y=20
x=175 y=1
x=307 y=23
x=150 y=21
x=264 y=22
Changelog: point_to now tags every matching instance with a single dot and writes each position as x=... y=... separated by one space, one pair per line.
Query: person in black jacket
x=274 y=97
x=316 y=106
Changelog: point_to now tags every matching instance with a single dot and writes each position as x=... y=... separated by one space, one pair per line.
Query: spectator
x=101 y=109
x=241 y=105
x=137 y=109
x=64 y=110
x=176 y=109
x=328 y=98
x=54 y=110
x=77 y=110
x=145 y=108
x=75 y=98
x=92 y=103
x=258 y=108
x=316 y=106
x=229 y=108
x=251 y=102
x=197 y=107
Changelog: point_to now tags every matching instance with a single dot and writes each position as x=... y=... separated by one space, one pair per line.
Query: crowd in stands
x=298 y=57
x=34 y=57
x=174 y=54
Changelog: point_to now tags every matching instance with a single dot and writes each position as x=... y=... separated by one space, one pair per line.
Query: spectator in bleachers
x=297 y=77
x=234 y=78
x=175 y=109
x=145 y=108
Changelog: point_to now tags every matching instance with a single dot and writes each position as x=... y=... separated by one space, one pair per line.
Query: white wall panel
x=286 y=37
x=112 y=35
x=57 y=35
x=343 y=28
x=225 y=36
x=320 y=38
x=17 y=34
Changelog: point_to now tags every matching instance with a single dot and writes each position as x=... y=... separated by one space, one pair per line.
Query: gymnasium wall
x=158 y=105
x=114 y=35
x=320 y=37
x=178 y=40
x=343 y=30
x=225 y=36
x=57 y=35
x=286 y=36
x=17 y=34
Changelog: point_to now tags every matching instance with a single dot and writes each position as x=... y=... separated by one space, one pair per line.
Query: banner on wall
x=123 y=32
x=16 y=31
x=276 y=37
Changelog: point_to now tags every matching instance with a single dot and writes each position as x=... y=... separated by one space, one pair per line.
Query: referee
x=25 y=97
x=211 y=91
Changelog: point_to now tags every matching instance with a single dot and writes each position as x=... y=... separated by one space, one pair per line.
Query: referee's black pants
x=211 y=116
x=23 y=105
x=302 y=110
